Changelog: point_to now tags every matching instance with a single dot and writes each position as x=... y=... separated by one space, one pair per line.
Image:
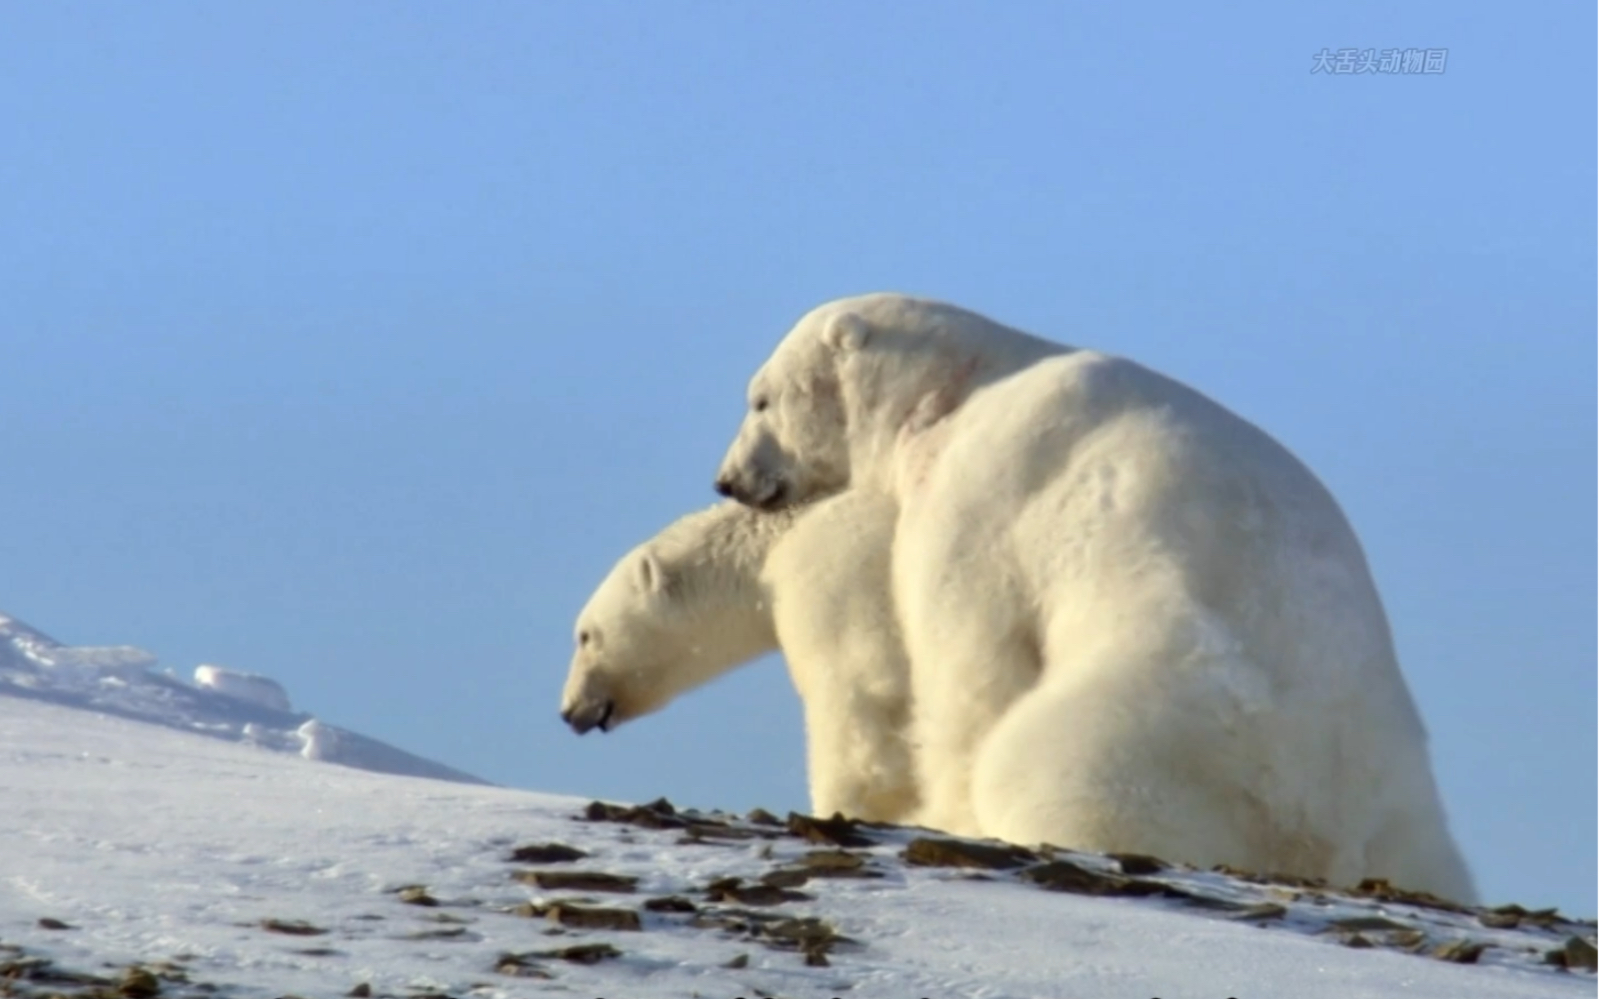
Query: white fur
x=1135 y=621
x=725 y=585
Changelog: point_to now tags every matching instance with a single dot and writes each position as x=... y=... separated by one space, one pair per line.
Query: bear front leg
x=857 y=759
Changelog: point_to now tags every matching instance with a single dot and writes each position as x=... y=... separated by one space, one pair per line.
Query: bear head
x=673 y=613
x=845 y=385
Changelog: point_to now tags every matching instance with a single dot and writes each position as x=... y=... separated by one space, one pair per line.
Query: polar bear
x=1134 y=621
x=724 y=585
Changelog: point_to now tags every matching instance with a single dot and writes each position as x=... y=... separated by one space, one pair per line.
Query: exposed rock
x=27 y=969
x=1576 y=955
x=658 y=814
x=293 y=927
x=1381 y=890
x=812 y=937
x=1255 y=877
x=1063 y=875
x=589 y=953
x=928 y=852
x=168 y=971
x=139 y=983
x=1511 y=916
x=1506 y=917
x=1138 y=864
x=590 y=917
x=821 y=863
x=714 y=832
x=837 y=864
x=1459 y=951
x=1368 y=923
x=670 y=903
x=1261 y=912
x=734 y=890
x=449 y=933
x=43 y=971
x=836 y=831
x=1407 y=940
x=417 y=895
x=1232 y=908
x=520 y=966
x=546 y=853
x=578 y=881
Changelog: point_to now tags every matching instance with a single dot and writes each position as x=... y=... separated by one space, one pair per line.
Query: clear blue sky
x=352 y=342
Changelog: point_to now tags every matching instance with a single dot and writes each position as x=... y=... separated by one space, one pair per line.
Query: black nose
x=724 y=486
x=566 y=715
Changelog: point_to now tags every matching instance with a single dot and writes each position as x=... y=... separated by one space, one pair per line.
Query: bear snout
x=736 y=487
x=586 y=716
x=765 y=494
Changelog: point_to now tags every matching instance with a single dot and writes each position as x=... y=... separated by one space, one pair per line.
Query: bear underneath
x=722 y=586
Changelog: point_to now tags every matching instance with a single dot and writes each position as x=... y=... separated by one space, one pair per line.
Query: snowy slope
x=155 y=845
x=240 y=707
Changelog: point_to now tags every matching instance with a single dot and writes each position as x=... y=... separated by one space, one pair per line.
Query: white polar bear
x=724 y=585
x=1134 y=621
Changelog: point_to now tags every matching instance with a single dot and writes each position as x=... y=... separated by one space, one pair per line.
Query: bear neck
x=717 y=556
x=951 y=355
x=908 y=429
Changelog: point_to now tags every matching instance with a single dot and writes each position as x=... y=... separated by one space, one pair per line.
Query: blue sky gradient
x=351 y=343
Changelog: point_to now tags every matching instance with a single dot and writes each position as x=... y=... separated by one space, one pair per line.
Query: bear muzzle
x=767 y=494
x=589 y=715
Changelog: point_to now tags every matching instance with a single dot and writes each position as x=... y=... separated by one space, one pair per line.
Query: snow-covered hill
x=223 y=703
x=221 y=869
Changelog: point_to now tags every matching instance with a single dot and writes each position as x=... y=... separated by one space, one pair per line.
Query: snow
x=158 y=844
x=222 y=703
x=252 y=688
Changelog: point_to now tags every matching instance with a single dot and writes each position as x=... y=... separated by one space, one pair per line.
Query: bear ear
x=846 y=332
x=649 y=573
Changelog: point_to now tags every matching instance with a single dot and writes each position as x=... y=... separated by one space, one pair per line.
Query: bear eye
x=583 y=638
x=760 y=404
